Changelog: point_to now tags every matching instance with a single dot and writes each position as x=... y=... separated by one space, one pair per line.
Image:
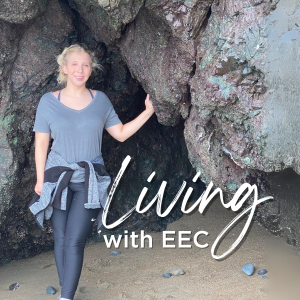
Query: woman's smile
x=80 y=78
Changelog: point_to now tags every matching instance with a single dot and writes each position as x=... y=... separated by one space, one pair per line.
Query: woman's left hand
x=148 y=104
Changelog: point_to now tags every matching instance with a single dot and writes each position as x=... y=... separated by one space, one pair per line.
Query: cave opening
x=155 y=147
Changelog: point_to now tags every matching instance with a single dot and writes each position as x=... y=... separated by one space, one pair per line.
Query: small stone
x=50 y=290
x=246 y=71
x=167 y=275
x=262 y=272
x=170 y=296
x=265 y=277
x=169 y=17
x=115 y=253
x=248 y=269
x=176 y=272
x=14 y=286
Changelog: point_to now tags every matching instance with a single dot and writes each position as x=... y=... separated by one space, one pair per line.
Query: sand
x=137 y=273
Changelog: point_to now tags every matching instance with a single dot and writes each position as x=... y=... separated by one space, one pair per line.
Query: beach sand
x=137 y=273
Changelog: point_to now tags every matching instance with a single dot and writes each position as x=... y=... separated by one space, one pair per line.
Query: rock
x=20 y=12
x=51 y=290
x=265 y=277
x=27 y=64
x=14 y=286
x=166 y=275
x=262 y=272
x=228 y=72
x=154 y=32
x=115 y=253
x=248 y=269
x=176 y=272
x=113 y=15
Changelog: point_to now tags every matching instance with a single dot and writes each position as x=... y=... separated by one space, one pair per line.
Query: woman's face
x=78 y=68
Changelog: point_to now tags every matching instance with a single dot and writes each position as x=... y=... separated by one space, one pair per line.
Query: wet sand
x=137 y=273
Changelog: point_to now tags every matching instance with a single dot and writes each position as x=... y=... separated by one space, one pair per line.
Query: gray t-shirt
x=77 y=134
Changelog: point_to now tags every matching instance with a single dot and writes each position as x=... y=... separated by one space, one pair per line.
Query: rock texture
x=159 y=49
x=243 y=121
x=29 y=67
x=20 y=12
x=225 y=131
x=107 y=18
x=223 y=77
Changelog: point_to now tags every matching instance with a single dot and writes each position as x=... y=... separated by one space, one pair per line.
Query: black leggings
x=71 y=228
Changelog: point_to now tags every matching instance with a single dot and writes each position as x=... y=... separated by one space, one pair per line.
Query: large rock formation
x=28 y=70
x=222 y=75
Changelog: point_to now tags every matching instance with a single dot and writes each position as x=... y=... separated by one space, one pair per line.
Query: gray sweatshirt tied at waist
x=58 y=173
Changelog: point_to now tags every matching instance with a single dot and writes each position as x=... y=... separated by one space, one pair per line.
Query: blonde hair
x=62 y=60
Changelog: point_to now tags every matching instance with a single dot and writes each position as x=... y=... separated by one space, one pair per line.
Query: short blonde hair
x=62 y=60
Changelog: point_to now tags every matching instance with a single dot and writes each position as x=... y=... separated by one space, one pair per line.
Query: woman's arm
x=41 y=148
x=122 y=132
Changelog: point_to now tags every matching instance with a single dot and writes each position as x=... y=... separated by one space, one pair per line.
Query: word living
x=244 y=191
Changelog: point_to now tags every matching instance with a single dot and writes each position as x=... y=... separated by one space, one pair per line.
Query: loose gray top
x=77 y=134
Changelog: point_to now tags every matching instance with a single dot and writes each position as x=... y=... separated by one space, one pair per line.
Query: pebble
x=176 y=272
x=14 y=286
x=115 y=253
x=248 y=269
x=265 y=277
x=167 y=275
x=50 y=290
x=262 y=272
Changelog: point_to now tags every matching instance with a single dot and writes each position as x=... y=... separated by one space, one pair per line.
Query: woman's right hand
x=38 y=188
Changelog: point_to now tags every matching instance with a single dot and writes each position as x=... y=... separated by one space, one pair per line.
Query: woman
x=75 y=116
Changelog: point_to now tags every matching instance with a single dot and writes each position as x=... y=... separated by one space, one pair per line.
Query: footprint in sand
x=47 y=266
x=99 y=263
x=102 y=285
x=82 y=289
